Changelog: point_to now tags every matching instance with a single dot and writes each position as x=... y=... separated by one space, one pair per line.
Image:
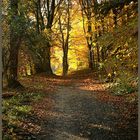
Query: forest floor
x=76 y=107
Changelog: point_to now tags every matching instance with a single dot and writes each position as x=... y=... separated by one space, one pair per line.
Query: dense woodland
x=57 y=38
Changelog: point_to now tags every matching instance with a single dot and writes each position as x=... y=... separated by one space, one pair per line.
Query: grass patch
x=124 y=85
x=15 y=111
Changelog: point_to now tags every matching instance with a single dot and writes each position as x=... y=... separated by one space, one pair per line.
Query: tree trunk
x=103 y=25
x=48 y=61
x=14 y=49
x=44 y=65
x=91 y=58
x=89 y=41
x=65 y=62
x=13 y=66
x=98 y=53
x=37 y=20
x=65 y=37
x=102 y=54
x=97 y=47
x=115 y=17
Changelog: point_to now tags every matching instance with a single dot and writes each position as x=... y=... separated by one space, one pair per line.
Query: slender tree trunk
x=37 y=19
x=103 y=31
x=115 y=17
x=65 y=39
x=48 y=60
x=97 y=48
x=98 y=53
x=65 y=62
x=103 y=25
x=31 y=67
x=102 y=54
x=40 y=14
x=85 y=8
x=91 y=58
x=89 y=41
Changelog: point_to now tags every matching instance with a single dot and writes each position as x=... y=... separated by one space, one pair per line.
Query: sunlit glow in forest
x=78 y=51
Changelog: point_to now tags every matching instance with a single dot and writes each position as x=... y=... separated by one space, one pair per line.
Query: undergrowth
x=15 y=110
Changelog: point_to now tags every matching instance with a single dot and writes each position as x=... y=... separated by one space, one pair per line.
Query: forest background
x=61 y=37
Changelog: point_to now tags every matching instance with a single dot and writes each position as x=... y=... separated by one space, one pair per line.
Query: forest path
x=77 y=113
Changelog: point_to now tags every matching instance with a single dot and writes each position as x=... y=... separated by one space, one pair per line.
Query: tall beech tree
x=65 y=27
x=87 y=11
x=49 y=9
x=45 y=12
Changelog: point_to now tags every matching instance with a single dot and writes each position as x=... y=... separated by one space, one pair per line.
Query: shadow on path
x=78 y=115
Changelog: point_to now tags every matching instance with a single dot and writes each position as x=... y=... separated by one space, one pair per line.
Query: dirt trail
x=78 y=115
